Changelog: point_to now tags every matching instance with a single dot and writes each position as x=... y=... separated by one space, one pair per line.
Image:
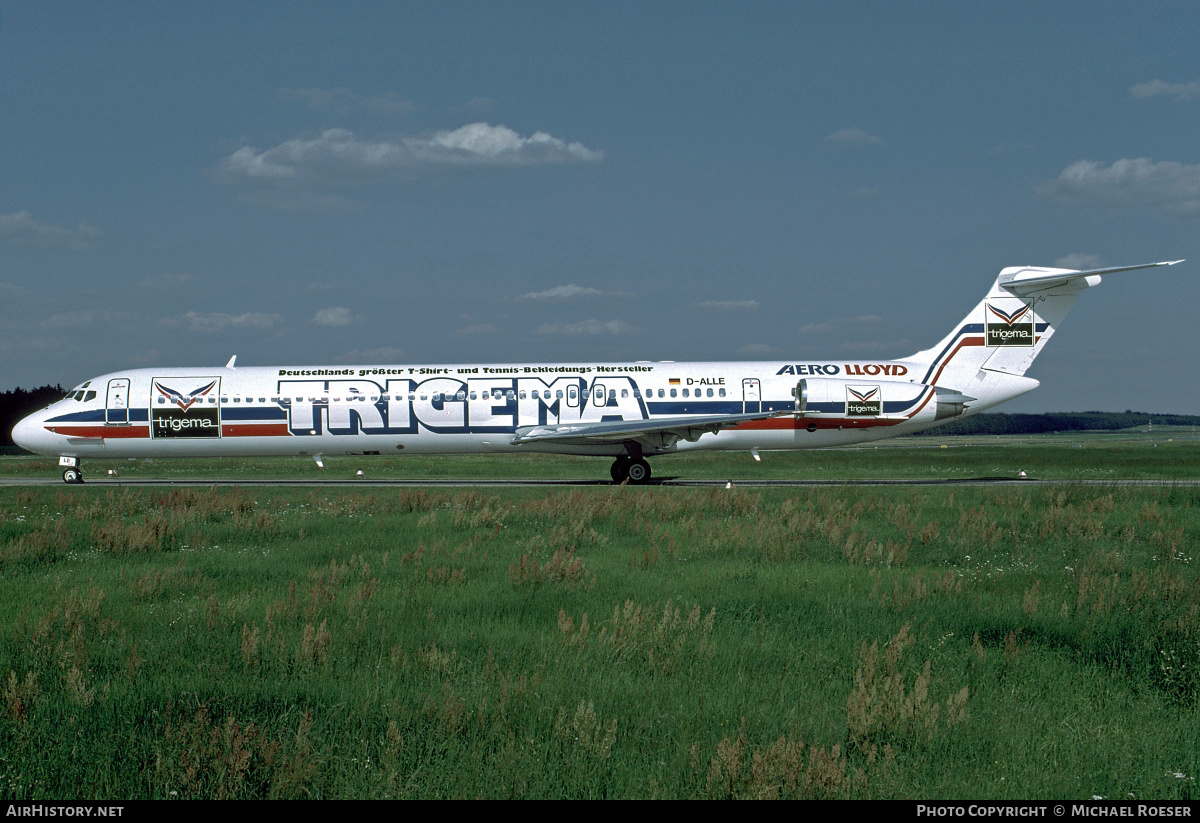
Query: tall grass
x=600 y=642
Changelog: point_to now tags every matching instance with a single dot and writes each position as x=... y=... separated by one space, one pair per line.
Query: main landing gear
x=634 y=469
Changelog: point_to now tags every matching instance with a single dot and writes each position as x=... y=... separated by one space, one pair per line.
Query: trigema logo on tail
x=1013 y=327
x=185 y=407
x=863 y=401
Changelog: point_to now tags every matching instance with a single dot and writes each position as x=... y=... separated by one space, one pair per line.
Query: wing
x=658 y=433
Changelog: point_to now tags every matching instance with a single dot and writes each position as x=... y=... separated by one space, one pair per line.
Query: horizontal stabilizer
x=1025 y=280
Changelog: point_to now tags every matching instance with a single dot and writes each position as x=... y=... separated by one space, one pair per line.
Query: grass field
x=843 y=641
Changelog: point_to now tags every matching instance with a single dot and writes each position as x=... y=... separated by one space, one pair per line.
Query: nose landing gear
x=71 y=471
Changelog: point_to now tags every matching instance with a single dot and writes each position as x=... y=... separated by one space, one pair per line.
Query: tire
x=639 y=471
x=72 y=476
x=619 y=470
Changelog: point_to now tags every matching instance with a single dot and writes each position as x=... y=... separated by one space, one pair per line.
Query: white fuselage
x=465 y=408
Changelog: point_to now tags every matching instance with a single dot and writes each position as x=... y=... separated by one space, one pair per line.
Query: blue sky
x=310 y=183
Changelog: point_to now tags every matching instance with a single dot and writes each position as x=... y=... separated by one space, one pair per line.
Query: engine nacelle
x=887 y=399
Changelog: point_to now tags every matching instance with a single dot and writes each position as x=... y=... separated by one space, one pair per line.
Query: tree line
x=1000 y=423
x=17 y=403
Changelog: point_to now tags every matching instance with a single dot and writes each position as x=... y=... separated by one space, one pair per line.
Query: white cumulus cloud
x=830 y=325
x=298 y=174
x=20 y=228
x=586 y=327
x=333 y=316
x=1161 y=88
x=757 y=350
x=338 y=157
x=728 y=305
x=562 y=293
x=217 y=321
x=1171 y=189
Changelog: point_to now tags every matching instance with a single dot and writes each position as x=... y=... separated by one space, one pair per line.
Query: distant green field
x=837 y=641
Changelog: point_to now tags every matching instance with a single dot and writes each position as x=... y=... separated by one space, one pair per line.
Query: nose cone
x=30 y=435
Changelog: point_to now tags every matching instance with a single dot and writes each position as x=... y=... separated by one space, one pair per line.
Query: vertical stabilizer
x=988 y=353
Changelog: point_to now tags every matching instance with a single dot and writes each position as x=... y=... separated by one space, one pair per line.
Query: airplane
x=627 y=411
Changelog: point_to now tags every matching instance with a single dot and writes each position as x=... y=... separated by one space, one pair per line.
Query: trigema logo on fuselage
x=863 y=401
x=185 y=407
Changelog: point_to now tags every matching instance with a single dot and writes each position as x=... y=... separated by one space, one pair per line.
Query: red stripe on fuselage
x=831 y=423
x=106 y=432
x=775 y=423
x=251 y=430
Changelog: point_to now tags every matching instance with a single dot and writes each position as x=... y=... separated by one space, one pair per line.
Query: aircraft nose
x=29 y=434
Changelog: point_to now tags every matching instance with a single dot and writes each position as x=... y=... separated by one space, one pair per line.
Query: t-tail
x=987 y=354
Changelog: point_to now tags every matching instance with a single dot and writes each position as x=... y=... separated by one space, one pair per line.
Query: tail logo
x=863 y=401
x=1014 y=327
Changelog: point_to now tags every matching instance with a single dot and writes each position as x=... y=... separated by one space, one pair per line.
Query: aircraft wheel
x=619 y=470
x=72 y=476
x=639 y=471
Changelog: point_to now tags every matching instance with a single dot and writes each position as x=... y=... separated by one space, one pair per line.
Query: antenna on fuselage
x=230 y=365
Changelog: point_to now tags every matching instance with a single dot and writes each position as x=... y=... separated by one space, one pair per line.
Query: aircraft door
x=116 y=411
x=751 y=395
